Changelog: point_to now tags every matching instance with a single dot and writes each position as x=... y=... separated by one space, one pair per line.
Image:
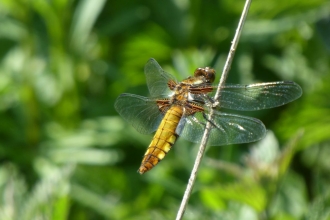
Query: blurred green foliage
x=66 y=154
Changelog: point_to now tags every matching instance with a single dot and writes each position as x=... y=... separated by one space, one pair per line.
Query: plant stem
x=223 y=78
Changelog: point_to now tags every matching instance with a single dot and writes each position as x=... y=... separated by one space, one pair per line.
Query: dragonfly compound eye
x=210 y=74
x=199 y=72
x=207 y=72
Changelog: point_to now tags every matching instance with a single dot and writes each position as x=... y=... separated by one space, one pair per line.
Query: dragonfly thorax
x=181 y=93
x=183 y=97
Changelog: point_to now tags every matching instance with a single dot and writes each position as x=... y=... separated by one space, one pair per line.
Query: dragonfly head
x=207 y=72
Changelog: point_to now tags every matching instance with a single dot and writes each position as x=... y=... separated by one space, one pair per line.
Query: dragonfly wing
x=157 y=79
x=225 y=129
x=258 y=96
x=141 y=112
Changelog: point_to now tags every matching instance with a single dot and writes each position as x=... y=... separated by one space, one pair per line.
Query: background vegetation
x=66 y=154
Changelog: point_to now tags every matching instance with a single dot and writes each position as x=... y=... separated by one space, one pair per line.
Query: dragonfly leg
x=212 y=123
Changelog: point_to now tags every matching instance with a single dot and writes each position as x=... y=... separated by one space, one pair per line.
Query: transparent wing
x=226 y=129
x=141 y=112
x=157 y=79
x=258 y=96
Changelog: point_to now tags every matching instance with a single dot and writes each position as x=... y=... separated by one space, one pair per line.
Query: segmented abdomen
x=163 y=140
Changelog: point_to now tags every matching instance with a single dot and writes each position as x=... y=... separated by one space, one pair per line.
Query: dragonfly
x=182 y=108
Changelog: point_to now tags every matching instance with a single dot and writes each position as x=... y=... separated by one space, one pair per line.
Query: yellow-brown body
x=163 y=140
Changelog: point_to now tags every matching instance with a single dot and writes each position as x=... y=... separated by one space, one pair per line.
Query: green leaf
x=245 y=192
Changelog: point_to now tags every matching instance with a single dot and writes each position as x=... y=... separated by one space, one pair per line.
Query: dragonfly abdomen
x=163 y=140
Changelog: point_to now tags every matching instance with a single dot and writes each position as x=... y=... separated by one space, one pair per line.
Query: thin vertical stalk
x=223 y=78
